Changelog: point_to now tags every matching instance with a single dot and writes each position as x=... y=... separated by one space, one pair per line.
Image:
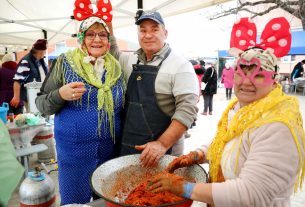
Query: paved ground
x=202 y=133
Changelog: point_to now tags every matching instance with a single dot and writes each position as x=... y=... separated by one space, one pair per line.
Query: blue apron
x=80 y=149
x=144 y=120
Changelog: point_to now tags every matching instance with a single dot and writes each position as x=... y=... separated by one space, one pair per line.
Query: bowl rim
x=122 y=204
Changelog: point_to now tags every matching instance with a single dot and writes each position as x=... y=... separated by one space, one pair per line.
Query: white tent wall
x=23 y=21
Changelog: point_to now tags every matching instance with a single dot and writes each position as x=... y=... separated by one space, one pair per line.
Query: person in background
x=162 y=92
x=31 y=67
x=85 y=91
x=298 y=70
x=202 y=66
x=11 y=170
x=199 y=72
x=210 y=78
x=227 y=80
x=196 y=67
x=7 y=72
x=257 y=156
x=51 y=64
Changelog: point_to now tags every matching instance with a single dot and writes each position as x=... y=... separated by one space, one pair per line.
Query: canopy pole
x=140 y=10
x=45 y=34
x=140 y=4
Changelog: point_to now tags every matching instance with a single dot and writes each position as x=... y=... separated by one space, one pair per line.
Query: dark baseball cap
x=153 y=15
x=40 y=44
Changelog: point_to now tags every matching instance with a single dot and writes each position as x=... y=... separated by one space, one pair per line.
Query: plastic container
x=32 y=89
x=3 y=112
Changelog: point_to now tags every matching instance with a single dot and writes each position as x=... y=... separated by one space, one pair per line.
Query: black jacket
x=297 y=71
x=211 y=87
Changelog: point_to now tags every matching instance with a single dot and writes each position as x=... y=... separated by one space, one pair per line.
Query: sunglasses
x=258 y=77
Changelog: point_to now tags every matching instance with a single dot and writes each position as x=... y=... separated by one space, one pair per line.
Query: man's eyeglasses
x=91 y=35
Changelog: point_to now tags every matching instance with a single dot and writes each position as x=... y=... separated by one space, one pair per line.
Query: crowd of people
x=108 y=103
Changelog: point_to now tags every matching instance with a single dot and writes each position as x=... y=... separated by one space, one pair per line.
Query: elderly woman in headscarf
x=85 y=91
x=257 y=155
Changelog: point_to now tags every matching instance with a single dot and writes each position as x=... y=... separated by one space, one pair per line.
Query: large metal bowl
x=126 y=173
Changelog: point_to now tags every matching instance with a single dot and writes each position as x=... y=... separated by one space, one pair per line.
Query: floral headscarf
x=86 y=24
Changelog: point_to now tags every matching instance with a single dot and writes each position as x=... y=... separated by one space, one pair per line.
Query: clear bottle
x=11 y=117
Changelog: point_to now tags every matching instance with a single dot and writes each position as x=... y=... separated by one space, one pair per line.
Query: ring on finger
x=73 y=95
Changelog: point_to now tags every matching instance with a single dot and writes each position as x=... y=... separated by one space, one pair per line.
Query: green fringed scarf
x=85 y=70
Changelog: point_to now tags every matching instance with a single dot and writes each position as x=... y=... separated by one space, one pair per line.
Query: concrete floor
x=202 y=133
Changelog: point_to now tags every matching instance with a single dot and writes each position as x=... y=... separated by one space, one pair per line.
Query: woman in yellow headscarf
x=257 y=155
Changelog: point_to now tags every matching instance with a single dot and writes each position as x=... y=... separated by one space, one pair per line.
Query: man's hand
x=194 y=157
x=151 y=153
x=15 y=102
x=167 y=182
x=16 y=99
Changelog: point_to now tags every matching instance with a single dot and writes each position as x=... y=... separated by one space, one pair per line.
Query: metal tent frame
x=22 y=22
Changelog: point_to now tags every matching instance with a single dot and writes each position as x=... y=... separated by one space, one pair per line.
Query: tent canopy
x=23 y=22
x=60 y=48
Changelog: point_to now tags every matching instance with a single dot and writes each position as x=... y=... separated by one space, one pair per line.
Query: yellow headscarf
x=275 y=107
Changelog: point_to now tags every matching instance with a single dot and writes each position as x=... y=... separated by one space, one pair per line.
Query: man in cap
x=162 y=92
x=30 y=67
